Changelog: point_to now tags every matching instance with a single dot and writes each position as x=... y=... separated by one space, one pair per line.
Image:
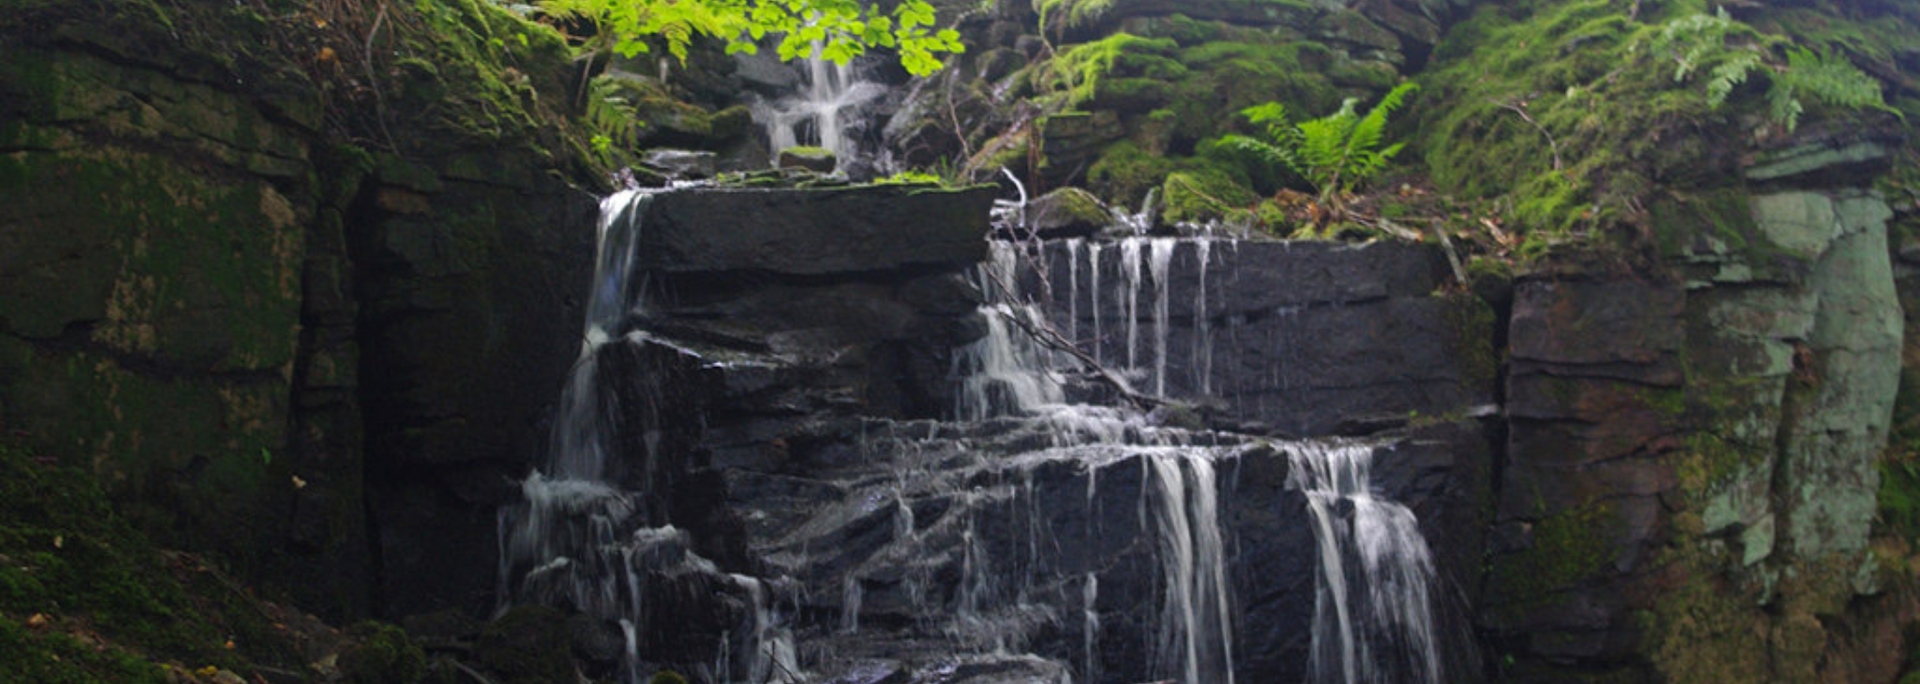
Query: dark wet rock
x=682 y=164
x=815 y=232
x=765 y=73
x=1300 y=336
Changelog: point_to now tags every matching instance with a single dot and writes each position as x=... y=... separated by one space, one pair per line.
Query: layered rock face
x=250 y=329
x=1302 y=338
x=1694 y=459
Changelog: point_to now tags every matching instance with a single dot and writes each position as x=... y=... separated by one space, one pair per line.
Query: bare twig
x=373 y=80
x=953 y=115
x=1520 y=107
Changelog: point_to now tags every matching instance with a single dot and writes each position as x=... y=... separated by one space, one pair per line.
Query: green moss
x=1203 y=194
x=56 y=658
x=666 y=677
x=71 y=558
x=384 y=654
x=528 y=645
x=809 y=152
x=1124 y=173
x=1078 y=76
x=1583 y=74
x=1472 y=322
x=1568 y=548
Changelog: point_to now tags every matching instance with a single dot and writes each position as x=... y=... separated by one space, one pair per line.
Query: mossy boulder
x=815 y=159
x=1204 y=194
x=1067 y=212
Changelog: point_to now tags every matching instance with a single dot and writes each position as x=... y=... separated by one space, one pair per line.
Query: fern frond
x=1266 y=153
x=1729 y=74
x=1372 y=128
x=1834 y=80
x=1782 y=106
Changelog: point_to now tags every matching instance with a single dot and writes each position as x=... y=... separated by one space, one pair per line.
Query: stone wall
x=251 y=328
x=1694 y=453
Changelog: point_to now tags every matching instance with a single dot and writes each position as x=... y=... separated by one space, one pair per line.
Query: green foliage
x=911 y=178
x=1702 y=39
x=1572 y=116
x=838 y=30
x=613 y=117
x=1336 y=153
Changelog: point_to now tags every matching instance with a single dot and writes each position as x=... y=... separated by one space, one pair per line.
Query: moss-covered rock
x=528 y=645
x=85 y=597
x=815 y=159
x=382 y=654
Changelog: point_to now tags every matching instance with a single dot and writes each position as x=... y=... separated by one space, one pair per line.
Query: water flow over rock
x=592 y=533
x=824 y=110
x=1033 y=538
x=1373 y=611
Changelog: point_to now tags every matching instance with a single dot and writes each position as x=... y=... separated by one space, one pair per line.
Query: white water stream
x=823 y=113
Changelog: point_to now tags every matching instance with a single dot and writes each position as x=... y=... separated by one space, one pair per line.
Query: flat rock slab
x=815 y=231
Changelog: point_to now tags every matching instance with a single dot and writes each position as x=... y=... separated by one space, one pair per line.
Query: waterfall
x=823 y=112
x=1006 y=373
x=967 y=542
x=578 y=538
x=1161 y=254
x=1373 y=617
x=1373 y=624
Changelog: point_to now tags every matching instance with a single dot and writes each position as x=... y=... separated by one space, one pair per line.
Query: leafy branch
x=837 y=30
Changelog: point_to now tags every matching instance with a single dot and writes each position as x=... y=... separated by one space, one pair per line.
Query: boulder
x=815 y=159
x=1067 y=212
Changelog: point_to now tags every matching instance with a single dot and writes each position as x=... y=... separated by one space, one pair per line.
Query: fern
x=1728 y=75
x=613 y=117
x=1336 y=153
x=1695 y=39
x=1834 y=80
x=1698 y=40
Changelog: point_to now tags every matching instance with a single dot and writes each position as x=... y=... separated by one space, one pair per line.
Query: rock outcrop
x=1694 y=455
x=250 y=327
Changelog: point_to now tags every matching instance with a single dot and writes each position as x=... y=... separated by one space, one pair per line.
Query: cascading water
x=1373 y=610
x=579 y=538
x=965 y=544
x=823 y=112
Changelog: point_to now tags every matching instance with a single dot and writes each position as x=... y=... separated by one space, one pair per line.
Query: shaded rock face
x=1701 y=451
x=1302 y=338
x=243 y=324
x=468 y=288
x=165 y=271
